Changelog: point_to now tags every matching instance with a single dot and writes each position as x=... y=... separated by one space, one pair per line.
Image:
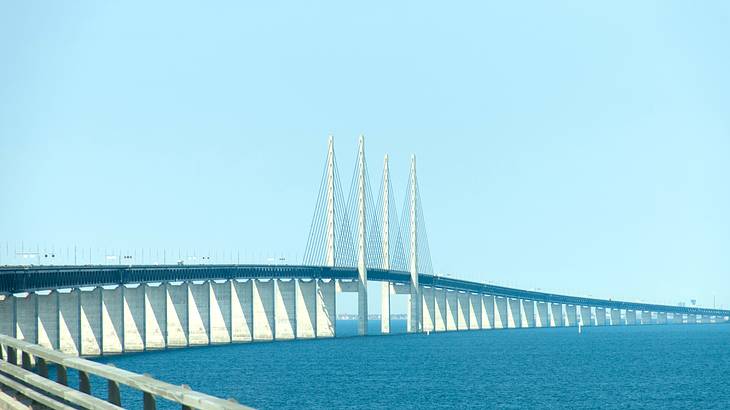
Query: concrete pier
x=630 y=317
x=487 y=312
x=571 y=315
x=528 y=313
x=556 y=315
x=114 y=319
x=616 y=317
x=514 y=315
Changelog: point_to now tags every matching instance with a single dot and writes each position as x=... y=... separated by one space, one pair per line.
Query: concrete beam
x=646 y=318
x=661 y=318
x=585 y=316
x=616 y=317
x=600 y=316
x=7 y=315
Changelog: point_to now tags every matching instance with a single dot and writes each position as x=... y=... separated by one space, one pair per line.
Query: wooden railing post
x=149 y=402
x=25 y=361
x=61 y=375
x=42 y=366
x=84 y=383
x=113 y=396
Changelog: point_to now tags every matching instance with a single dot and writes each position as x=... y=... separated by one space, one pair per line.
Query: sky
x=566 y=146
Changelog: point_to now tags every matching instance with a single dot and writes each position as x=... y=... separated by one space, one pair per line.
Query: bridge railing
x=24 y=368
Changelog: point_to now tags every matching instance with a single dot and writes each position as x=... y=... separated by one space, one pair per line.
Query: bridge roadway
x=34 y=278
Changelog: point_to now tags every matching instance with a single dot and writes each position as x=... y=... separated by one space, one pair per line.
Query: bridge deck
x=20 y=279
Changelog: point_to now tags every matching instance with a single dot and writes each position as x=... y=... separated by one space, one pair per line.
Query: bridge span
x=101 y=309
x=96 y=310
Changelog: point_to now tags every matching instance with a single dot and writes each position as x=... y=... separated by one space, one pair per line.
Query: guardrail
x=24 y=369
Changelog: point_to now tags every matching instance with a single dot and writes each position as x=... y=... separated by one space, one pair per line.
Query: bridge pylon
x=362 y=283
x=385 y=285
x=414 y=308
x=330 y=227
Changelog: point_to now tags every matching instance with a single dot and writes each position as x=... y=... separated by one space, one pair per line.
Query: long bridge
x=95 y=310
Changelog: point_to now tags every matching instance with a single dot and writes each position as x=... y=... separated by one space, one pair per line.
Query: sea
x=627 y=367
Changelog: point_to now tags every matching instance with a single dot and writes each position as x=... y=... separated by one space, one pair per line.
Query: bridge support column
x=242 y=310
x=428 y=309
x=692 y=319
x=155 y=317
x=47 y=320
x=69 y=322
x=306 y=309
x=585 y=316
x=705 y=319
x=452 y=314
x=556 y=315
x=7 y=315
x=677 y=318
x=630 y=317
x=90 y=322
x=571 y=315
x=462 y=311
x=285 y=315
x=220 y=312
x=487 y=311
x=134 y=328
x=542 y=317
x=600 y=316
x=326 y=308
x=112 y=319
x=199 y=313
x=514 y=316
x=177 y=315
x=263 y=310
x=25 y=318
x=615 y=317
x=661 y=318
x=501 y=313
x=385 y=308
x=528 y=313
x=475 y=311
x=645 y=318
x=439 y=296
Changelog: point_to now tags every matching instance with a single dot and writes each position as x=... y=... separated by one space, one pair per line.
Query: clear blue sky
x=567 y=146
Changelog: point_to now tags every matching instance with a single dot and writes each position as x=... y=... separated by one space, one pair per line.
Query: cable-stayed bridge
x=356 y=236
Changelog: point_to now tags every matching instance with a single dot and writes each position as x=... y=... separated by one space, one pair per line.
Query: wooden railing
x=24 y=369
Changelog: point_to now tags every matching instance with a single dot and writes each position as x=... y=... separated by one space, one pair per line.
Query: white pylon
x=385 y=285
x=414 y=310
x=362 y=290
x=330 y=255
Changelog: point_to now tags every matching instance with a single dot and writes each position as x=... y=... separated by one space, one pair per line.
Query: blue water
x=652 y=367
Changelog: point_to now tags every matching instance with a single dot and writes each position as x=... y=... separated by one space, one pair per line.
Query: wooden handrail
x=143 y=383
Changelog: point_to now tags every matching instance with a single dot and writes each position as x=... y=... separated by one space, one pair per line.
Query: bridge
x=94 y=310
